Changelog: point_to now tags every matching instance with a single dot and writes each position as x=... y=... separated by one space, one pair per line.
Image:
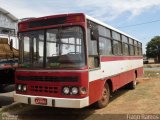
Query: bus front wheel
x=104 y=100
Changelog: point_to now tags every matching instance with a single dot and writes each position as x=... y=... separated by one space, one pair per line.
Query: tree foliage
x=153 y=48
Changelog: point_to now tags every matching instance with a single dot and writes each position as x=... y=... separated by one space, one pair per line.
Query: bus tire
x=104 y=100
x=132 y=85
x=1 y=88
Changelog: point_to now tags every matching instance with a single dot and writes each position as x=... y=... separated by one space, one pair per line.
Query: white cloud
x=114 y=8
x=102 y=9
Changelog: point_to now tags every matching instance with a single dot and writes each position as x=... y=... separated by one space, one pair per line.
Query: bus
x=73 y=61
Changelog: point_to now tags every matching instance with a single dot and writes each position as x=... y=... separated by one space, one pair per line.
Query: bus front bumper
x=51 y=101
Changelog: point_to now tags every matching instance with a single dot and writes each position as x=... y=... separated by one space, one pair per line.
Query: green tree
x=153 y=48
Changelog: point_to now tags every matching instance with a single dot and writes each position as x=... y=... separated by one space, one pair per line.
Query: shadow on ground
x=4 y=101
x=6 y=97
x=29 y=112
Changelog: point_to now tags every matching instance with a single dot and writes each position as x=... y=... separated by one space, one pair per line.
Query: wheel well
x=109 y=82
x=136 y=73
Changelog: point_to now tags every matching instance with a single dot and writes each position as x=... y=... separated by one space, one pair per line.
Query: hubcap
x=105 y=95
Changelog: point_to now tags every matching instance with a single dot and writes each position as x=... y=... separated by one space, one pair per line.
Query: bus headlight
x=19 y=87
x=83 y=90
x=66 y=90
x=24 y=88
x=74 y=90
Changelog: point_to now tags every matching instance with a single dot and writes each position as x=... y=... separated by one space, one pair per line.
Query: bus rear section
x=73 y=61
x=114 y=60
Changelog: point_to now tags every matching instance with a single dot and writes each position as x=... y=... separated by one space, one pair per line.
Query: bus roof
x=108 y=26
x=87 y=17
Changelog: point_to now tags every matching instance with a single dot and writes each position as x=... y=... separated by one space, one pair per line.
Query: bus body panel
x=118 y=81
x=53 y=101
x=120 y=70
x=49 y=83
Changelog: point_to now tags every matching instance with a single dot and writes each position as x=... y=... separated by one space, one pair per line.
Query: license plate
x=41 y=101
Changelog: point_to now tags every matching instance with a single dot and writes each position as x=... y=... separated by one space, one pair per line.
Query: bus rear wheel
x=132 y=85
x=104 y=100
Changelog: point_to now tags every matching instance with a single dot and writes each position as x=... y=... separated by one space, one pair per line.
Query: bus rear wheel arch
x=132 y=85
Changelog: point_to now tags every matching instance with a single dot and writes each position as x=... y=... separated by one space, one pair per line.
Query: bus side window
x=92 y=50
x=93 y=62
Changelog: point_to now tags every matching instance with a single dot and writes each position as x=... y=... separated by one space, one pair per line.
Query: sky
x=138 y=18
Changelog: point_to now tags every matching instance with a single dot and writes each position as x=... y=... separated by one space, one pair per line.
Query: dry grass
x=152 y=74
x=151 y=65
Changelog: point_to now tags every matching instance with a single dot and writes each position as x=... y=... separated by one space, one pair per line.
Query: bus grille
x=48 y=78
x=44 y=89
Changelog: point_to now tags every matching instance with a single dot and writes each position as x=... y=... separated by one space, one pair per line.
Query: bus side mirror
x=11 y=44
x=94 y=34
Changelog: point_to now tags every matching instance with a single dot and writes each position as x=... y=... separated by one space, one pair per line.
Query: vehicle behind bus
x=8 y=61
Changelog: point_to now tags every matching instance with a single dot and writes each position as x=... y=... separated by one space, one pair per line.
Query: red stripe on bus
x=115 y=58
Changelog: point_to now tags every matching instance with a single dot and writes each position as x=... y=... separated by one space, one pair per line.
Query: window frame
x=130 y=42
x=119 y=41
x=21 y=44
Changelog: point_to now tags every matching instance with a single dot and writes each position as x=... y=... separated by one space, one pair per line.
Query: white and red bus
x=73 y=61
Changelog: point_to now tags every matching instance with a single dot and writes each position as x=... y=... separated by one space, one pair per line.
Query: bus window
x=125 y=49
x=65 y=48
x=92 y=45
x=116 y=36
x=94 y=35
x=130 y=41
x=131 y=49
x=117 y=45
x=136 y=50
x=104 y=31
x=33 y=44
x=92 y=51
x=125 y=45
x=139 y=48
x=105 y=47
x=124 y=39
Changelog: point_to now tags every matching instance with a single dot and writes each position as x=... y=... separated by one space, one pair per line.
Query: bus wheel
x=133 y=84
x=1 y=88
x=104 y=98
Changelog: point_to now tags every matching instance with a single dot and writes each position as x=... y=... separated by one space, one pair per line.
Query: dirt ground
x=144 y=100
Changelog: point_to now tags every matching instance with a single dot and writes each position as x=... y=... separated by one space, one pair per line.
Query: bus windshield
x=53 y=48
